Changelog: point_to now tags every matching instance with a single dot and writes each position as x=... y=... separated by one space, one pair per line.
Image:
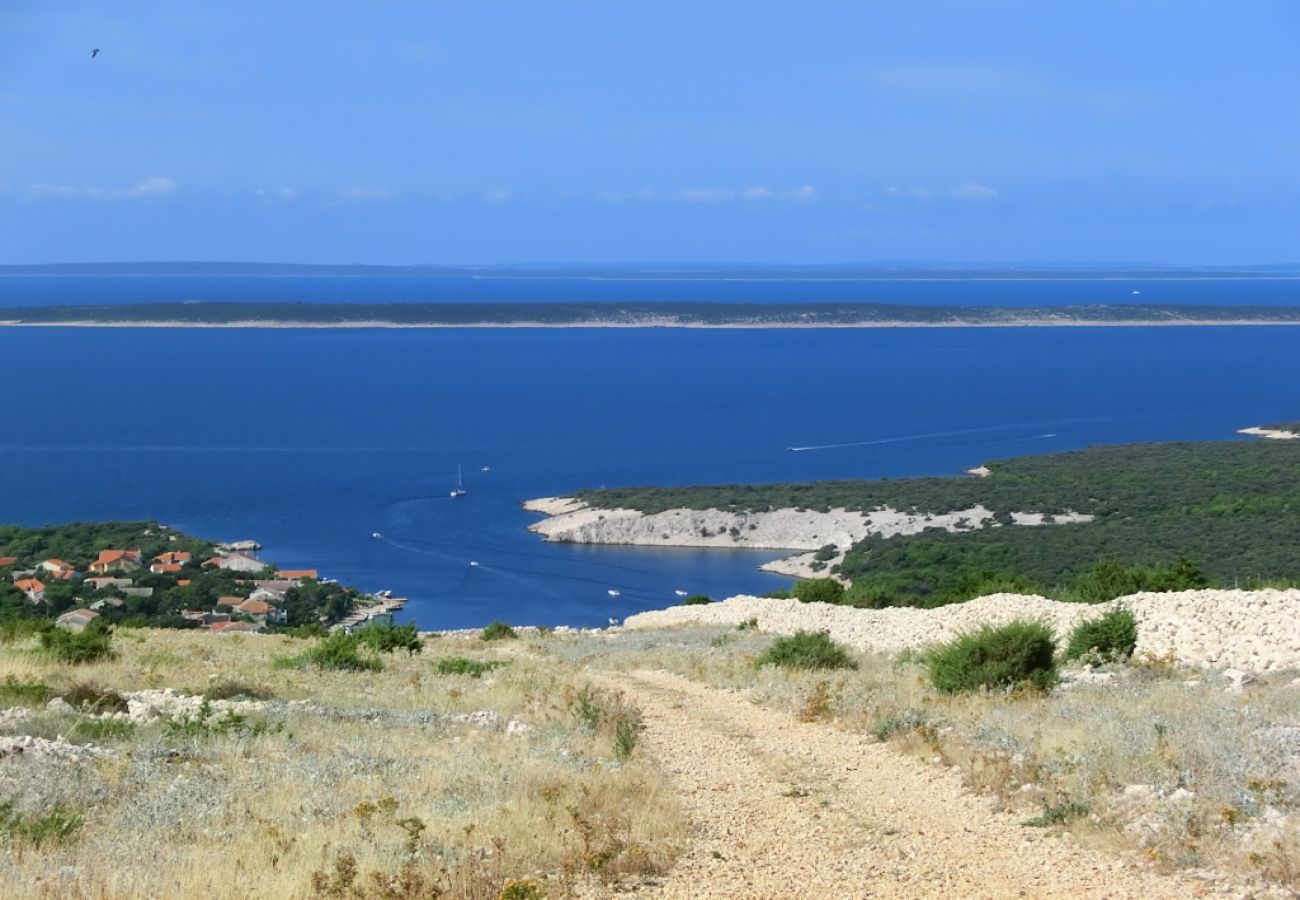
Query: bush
x=806 y=650
x=460 y=665
x=819 y=590
x=497 y=631
x=385 y=637
x=825 y=553
x=1017 y=653
x=28 y=692
x=340 y=652
x=91 y=644
x=1109 y=637
x=58 y=826
x=19 y=629
x=697 y=600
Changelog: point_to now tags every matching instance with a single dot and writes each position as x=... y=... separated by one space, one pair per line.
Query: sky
x=546 y=131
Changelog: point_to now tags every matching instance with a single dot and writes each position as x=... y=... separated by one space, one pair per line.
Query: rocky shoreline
x=570 y=520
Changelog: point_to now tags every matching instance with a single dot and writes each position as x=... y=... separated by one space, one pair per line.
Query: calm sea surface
x=310 y=440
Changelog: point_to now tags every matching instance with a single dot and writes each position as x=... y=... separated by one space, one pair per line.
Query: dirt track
x=782 y=809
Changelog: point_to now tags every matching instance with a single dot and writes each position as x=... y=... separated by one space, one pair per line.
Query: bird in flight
x=94 y=53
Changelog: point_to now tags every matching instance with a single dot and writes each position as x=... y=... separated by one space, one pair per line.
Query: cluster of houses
x=114 y=569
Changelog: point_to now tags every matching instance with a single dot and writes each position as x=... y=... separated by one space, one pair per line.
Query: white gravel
x=1258 y=631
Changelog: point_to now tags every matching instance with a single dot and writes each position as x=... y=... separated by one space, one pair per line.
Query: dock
x=384 y=606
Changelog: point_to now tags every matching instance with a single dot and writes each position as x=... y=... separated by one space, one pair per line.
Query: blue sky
x=496 y=131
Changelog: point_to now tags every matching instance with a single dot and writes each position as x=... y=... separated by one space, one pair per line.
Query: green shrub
x=750 y=624
x=819 y=590
x=899 y=723
x=825 y=553
x=206 y=723
x=497 y=631
x=91 y=644
x=460 y=665
x=18 y=629
x=339 y=652
x=1059 y=814
x=806 y=650
x=697 y=600
x=28 y=692
x=1017 y=653
x=1109 y=637
x=93 y=731
x=385 y=637
x=58 y=826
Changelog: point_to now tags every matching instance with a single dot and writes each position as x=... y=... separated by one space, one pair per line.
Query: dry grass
x=1104 y=763
x=364 y=784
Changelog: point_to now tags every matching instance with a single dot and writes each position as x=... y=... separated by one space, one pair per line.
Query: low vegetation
x=1006 y=656
x=323 y=783
x=498 y=631
x=91 y=644
x=461 y=665
x=806 y=650
x=1107 y=638
x=697 y=600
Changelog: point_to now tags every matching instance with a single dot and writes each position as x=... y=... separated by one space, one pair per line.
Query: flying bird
x=94 y=53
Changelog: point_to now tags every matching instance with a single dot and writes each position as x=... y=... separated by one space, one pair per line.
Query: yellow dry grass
x=360 y=781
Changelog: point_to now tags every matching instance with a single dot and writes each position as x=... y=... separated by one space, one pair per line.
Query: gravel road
x=791 y=810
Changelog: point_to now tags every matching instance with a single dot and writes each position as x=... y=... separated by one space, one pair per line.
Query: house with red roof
x=173 y=557
x=116 y=561
x=236 y=628
x=34 y=588
x=7 y=561
x=295 y=574
x=159 y=568
x=57 y=568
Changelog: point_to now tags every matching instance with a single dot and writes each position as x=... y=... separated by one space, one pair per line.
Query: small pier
x=383 y=606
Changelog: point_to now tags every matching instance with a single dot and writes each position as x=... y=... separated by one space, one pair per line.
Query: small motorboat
x=376 y=536
x=473 y=563
x=613 y=593
x=680 y=593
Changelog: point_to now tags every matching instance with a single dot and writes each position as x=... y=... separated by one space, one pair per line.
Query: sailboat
x=459 y=489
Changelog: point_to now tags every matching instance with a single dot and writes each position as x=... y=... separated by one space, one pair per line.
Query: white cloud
x=807 y=192
x=51 y=190
x=757 y=192
x=497 y=195
x=644 y=195
x=153 y=186
x=972 y=191
x=956 y=82
x=281 y=193
x=145 y=188
x=363 y=193
x=705 y=195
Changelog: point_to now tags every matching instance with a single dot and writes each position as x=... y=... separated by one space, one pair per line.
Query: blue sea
x=310 y=440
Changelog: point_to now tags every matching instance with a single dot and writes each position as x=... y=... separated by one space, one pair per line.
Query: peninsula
x=1110 y=518
x=665 y=314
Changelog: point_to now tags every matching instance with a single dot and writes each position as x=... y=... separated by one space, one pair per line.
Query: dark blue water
x=53 y=290
x=309 y=440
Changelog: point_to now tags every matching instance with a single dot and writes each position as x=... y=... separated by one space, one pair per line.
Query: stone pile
x=1253 y=631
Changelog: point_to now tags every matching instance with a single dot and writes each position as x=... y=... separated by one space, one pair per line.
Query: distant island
x=667 y=314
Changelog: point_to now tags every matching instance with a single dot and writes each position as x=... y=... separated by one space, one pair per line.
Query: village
x=224 y=588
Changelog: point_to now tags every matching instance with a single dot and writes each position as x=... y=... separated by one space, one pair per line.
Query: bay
x=310 y=440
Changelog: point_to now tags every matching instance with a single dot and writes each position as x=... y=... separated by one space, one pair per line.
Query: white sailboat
x=459 y=489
